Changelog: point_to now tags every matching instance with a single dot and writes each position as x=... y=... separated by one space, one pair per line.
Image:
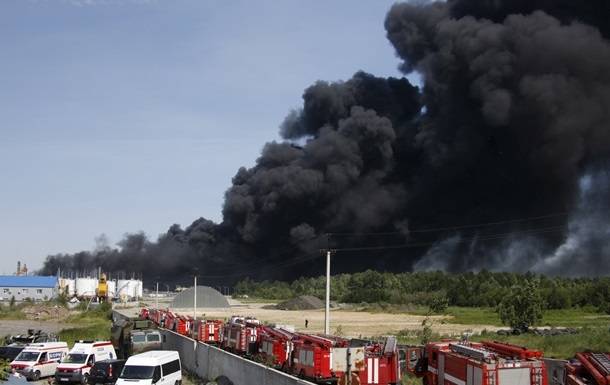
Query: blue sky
x=125 y=115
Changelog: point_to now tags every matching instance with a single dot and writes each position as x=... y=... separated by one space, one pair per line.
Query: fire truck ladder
x=468 y=351
x=602 y=362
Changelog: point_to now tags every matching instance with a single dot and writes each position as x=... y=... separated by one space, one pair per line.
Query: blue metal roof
x=27 y=281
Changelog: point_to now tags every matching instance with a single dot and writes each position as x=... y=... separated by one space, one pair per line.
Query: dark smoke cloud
x=512 y=121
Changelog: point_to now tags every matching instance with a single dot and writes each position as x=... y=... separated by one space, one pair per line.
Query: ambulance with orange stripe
x=75 y=367
x=39 y=360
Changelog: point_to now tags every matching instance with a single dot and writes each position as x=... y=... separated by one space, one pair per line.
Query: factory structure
x=90 y=286
x=95 y=286
x=22 y=287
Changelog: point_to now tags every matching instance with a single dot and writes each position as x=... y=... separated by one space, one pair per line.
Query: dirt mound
x=42 y=312
x=303 y=302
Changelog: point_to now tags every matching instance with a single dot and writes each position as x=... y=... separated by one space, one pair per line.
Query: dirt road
x=22 y=326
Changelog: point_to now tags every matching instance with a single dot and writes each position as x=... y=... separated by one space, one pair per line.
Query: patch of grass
x=92 y=331
x=560 y=346
x=14 y=312
x=93 y=325
x=5 y=370
x=575 y=317
x=384 y=307
x=473 y=315
x=409 y=379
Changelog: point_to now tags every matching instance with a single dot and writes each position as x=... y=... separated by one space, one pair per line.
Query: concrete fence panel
x=210 y=362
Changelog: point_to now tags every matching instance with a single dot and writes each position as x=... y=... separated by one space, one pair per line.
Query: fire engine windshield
x=133 y=372
x=138 y=338
x=27 y=356
x=75 y=358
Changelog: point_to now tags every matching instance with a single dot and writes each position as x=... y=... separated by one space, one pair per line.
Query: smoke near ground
x=499 y=161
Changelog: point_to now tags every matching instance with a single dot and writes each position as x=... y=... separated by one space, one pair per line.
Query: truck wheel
x=36 y=376
x=179 y=382
x=85 y=379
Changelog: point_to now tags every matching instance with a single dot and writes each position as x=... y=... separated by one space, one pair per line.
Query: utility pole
x=195 y=299
x=327 y=309
x=157 y=297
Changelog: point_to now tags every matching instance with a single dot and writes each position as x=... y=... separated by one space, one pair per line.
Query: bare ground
x=21 y=326
x=351 y=323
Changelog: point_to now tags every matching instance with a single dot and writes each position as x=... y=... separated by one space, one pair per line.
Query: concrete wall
x=210 y=362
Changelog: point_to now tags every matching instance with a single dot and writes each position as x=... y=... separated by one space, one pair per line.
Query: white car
x=39 y=360
x=159 y=367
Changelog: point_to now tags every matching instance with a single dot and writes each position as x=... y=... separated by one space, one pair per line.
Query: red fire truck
x=381 y=364
x=275 y=346
x=469 y=363
x=240 y=335
x=314 y=356
x=210 y=331
x=588 y=368
x=181 y=324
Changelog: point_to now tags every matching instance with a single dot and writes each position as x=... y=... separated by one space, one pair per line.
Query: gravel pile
x=206 y=297
x=303 y=302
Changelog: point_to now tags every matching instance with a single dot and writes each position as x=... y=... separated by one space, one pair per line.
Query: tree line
x=481 y=289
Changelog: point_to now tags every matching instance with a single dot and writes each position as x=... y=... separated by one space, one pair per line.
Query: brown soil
x=42 y=312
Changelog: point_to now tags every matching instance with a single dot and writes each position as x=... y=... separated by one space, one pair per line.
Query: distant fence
x=209 y=362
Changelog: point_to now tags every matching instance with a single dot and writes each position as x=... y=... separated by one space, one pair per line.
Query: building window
x=25 y=291
x=38 y=291
x=6 y=291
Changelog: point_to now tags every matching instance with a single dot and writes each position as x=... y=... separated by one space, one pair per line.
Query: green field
x=575 y=317
x=93 y=325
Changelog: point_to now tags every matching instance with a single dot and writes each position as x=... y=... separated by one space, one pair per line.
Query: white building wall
x=21 y=293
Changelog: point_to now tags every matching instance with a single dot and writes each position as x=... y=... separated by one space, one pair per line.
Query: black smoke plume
x=496 y=162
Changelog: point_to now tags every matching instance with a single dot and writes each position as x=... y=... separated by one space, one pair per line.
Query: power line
x=459 y=227
x=551 y=229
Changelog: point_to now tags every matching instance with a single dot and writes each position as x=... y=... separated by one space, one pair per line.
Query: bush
x=522 y=307
x=438 y=303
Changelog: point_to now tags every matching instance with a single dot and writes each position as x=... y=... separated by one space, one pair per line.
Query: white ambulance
x=39 y=360
x=156 y=367
x=75 y=367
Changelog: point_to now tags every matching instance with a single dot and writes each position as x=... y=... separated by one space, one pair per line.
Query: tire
x=179 y=382
x=36 y=376
x=85 y=379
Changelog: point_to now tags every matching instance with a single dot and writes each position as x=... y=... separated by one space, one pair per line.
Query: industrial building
x=37 y=288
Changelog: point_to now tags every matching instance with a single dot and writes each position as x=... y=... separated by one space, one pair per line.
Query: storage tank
x=85 y=287
x=68 y=286
x=111 y=289
x=136 y=289
x=140 y=289
x=122 y=289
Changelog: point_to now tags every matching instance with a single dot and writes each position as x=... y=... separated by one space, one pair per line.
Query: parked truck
x=133 y=335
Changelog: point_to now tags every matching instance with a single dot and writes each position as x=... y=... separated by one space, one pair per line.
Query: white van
x=75 y=367
x=39 y=360
x=158 y=367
